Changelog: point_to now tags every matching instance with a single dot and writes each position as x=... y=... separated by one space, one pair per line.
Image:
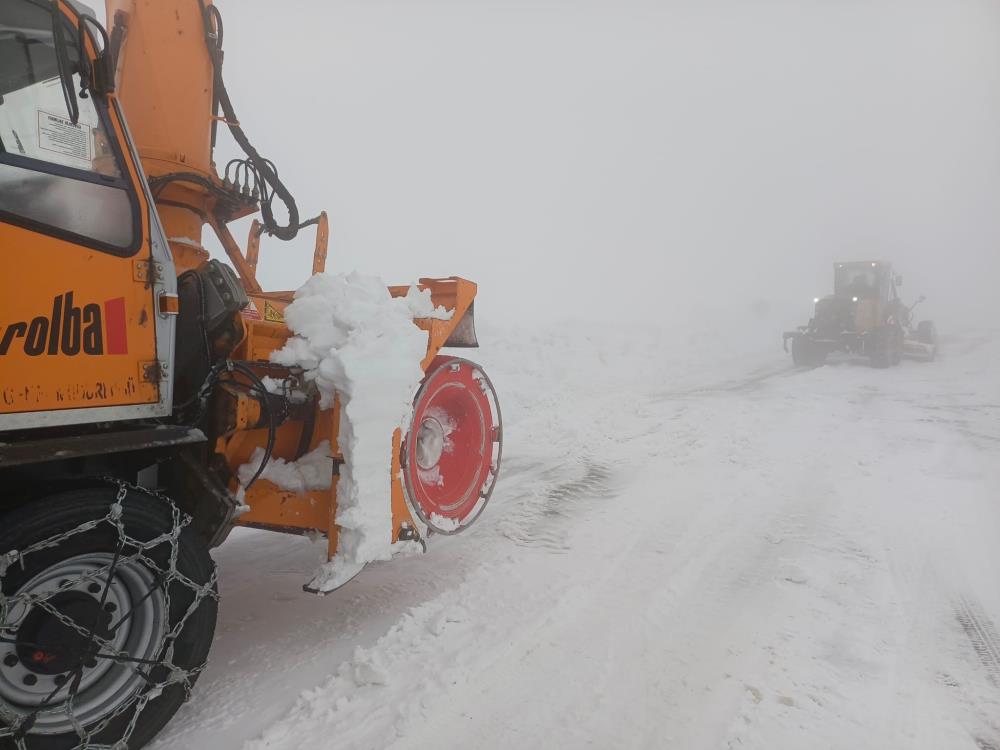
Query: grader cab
x=137 y=376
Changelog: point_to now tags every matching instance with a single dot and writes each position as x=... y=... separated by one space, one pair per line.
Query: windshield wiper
x=62 y=60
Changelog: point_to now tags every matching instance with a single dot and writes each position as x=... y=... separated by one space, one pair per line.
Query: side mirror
x=899 y=281
x=103 y=78
x=104 y=74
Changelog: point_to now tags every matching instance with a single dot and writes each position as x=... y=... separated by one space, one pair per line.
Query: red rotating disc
x=452 y=450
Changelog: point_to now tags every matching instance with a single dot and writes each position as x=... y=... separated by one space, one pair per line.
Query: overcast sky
x=590 y=158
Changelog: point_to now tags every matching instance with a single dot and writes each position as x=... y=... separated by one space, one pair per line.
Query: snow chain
x=17 y=726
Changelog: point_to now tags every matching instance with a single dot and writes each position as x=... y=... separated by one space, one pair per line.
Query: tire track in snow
x=753 y=380
x=963 y=345
x=542 y=518
x=983 y=636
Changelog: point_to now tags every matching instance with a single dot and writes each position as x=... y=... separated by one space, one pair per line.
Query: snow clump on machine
x=314 y=471
x=356 y=341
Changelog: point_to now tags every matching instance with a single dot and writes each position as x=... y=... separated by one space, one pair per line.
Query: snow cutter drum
x=451 y=454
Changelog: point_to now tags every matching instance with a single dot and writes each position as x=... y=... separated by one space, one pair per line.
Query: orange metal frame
x=169 y=107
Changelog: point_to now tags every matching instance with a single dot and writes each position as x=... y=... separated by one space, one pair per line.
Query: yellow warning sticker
x=272 y=313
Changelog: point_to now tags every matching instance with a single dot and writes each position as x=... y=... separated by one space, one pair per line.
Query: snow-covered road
x=729 y=554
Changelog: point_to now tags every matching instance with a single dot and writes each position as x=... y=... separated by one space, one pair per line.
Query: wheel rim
x=452 y=452
x=51 y=670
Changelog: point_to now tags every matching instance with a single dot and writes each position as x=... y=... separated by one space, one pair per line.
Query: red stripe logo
x=70 y=329
x=114 y=322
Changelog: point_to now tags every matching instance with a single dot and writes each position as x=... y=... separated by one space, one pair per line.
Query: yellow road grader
x=864 y=316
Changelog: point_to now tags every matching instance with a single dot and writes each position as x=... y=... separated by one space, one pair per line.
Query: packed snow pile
x=356 y=341
x=314 y=471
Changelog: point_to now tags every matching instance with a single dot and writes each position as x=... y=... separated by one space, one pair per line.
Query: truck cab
x=86 y=333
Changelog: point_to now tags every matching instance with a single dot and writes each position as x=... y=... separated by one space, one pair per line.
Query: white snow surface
x=359 y=343
x=422 y=306
x=313 y=471
x=691 y=545
x=442 y=523
x=185 y=241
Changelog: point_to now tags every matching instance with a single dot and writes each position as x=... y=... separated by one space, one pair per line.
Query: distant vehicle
x=863 y=316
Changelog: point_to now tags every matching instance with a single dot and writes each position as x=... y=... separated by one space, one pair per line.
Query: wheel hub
x=430 y=443
x=68 y=624
x=48 y=645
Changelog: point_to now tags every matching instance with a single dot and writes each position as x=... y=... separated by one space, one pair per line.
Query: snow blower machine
x=864 y=316
x=137 y=378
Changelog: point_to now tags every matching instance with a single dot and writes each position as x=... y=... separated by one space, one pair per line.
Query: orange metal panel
x=243 y=268
x=322 y=242
x=165 y=83
x=253 y=244
x=275 y=508
x=74 y=327
x=400 y=509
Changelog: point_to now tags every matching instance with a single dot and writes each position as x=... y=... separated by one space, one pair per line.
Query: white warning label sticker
x=59 y=135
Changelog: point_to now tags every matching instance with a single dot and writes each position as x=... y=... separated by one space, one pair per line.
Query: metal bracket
x=147 y=271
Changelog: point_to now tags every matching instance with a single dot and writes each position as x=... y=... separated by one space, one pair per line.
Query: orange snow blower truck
x=135 y=376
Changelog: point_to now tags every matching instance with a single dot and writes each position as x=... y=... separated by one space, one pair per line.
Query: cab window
x=56 y=175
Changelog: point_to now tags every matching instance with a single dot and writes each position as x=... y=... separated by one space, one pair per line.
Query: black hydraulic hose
x=308 y=428
x=216 y=17
x=214 y=375
x=268 y=175
x=157 y=184
x=218 y=36
x=202 y=310
x=268 y=182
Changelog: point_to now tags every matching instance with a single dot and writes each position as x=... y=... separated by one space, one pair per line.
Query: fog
x=692 y=540
x=633 y=159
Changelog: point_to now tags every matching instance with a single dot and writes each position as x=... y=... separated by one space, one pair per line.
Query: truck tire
x=885 y=347
x=111 y=600
x=805 y=353
x=896 y=347
x=927 y=333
